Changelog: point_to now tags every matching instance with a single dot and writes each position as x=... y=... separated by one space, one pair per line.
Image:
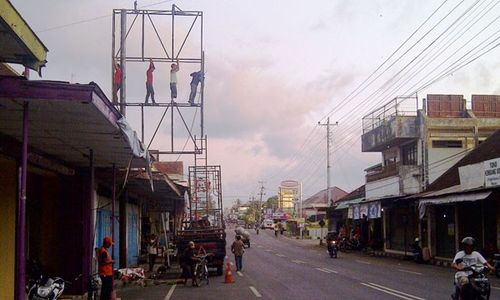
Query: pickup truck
x=213 y=240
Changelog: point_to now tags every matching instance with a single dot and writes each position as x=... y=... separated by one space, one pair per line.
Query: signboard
x=363 y=211
x=356 y=212
x=374 y=210
x=492 y=172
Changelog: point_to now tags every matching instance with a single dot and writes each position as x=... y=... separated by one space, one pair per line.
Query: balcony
x=390 y=125
x=382 y=172
x=392 y=180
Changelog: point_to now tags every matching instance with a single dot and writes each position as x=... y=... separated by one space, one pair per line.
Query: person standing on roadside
x=105 y=264
x=238 y=249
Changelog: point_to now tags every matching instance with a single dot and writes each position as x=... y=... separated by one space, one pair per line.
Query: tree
x=271 y=202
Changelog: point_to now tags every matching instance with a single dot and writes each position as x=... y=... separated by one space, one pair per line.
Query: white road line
x=363 y=262
x=332 y=271
x=269 y=250
x=325 y=271
x=239 y=273
x=298 y=261
x=259 y=246
x=280 y=255
x=495 y=288
x=393 y=291
x=410 y=272
x=255 y=292
x=170 y=292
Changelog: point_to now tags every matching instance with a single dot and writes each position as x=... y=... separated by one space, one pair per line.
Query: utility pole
x=328 y=166
x=261 y=193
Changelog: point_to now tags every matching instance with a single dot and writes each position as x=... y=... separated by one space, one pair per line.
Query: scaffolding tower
x=204 y=181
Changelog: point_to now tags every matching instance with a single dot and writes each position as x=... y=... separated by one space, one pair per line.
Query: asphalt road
x=283 y=268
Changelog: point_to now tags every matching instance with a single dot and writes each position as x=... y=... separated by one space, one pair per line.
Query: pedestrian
x=189 y=260
x=197 y=78
x=105 y=264
x=117 y=82
x=152 y=251
x=174 y=68
x=238 y=249
x=276 y=229
x=149 y=82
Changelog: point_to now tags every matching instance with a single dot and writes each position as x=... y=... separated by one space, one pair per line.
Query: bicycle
x=201 y=270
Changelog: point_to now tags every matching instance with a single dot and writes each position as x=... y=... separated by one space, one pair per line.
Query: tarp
x=136 y=145
x=345 y=204
x=451 y=198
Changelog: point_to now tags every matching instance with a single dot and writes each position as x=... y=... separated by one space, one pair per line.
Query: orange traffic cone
x=229 y=275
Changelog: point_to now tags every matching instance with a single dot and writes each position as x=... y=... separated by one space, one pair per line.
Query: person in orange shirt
x=149 y=82
x=105 y=264
x=117 y=82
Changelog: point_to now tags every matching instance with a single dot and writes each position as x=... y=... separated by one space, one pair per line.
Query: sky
x=274 y=69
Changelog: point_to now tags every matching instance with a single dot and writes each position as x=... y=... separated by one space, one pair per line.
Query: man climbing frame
x=149 y=82
x=197 y=77
x=174 y=68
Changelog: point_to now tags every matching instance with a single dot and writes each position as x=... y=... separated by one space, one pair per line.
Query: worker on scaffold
x=174 y=68
x=117 y=82
x=197 y=77
x=149 y=82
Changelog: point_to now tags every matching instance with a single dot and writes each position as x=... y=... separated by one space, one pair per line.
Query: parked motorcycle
x=417 y=251
x=478 y=286
x=49 y=289
x=496 y=264
x=332 y=248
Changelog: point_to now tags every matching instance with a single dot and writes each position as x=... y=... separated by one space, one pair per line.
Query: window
x=447 y=144
x=409 y=154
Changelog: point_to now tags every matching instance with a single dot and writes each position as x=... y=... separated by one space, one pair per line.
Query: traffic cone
x=229 y=275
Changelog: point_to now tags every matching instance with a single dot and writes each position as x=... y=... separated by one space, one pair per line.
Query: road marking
x=280 y=255
x=363 y=262
x=255 y=292
x=332 y=271
x=259 y=246
x=495 y=288
x=170 y=292
x=269 y=250
x=391 y=291
x=325 y=270
x=298 y=261
x=239 y=273
x=410 y=272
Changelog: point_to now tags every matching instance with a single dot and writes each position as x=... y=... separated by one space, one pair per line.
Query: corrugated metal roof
x=20 y=44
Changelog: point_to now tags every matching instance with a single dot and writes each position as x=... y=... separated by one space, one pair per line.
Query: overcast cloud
x=273 y=70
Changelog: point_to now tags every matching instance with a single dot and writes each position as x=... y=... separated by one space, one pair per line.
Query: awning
x=66 y=121
x=451 y=198
x=345 y=204
x=20 y=44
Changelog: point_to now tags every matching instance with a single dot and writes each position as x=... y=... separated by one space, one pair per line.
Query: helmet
x=468 y=241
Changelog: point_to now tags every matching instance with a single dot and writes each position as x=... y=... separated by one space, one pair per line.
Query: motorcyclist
x=466 y=258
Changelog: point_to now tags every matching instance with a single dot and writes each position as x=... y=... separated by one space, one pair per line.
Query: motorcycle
x=332 y=248
x=50 y=289
x=496 y=264
x=478 y=286
x=416 y=251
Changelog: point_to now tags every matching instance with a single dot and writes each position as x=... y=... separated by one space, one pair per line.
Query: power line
x=93 y=19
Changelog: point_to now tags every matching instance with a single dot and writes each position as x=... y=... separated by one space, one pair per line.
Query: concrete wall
x=384 y=187
x=8 y=197
x=410 y=179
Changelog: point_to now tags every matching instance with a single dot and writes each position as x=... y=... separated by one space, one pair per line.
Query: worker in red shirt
x=105 y=264
x=117 y=82
x=149 y=82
